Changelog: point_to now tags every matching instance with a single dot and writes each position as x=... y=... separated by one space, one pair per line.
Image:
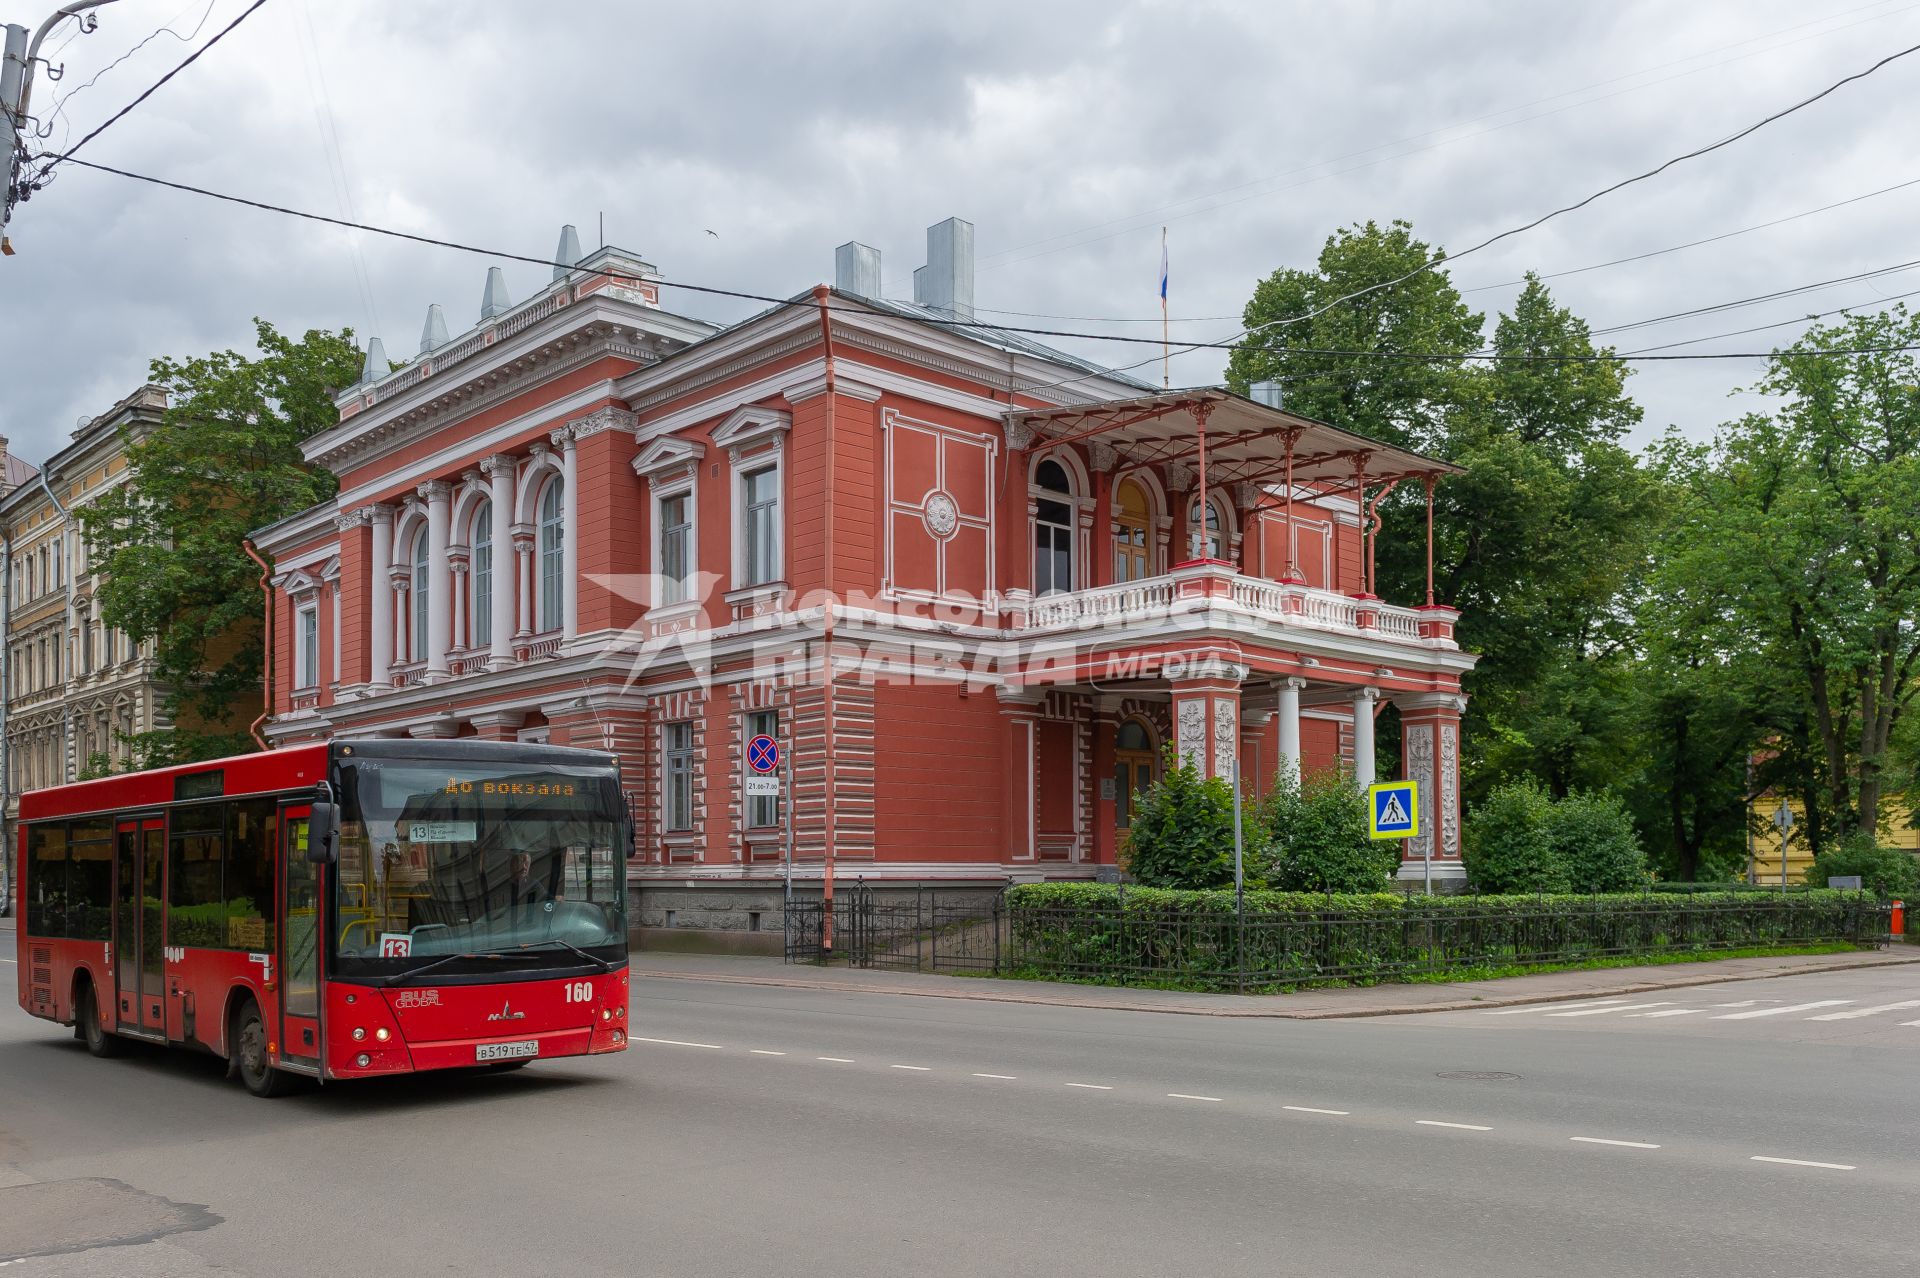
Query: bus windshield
x=444 y=859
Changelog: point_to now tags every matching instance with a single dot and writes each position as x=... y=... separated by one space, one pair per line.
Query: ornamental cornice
x=752 y=358
x=483 y=390
x=604 y=419
x=358 y=517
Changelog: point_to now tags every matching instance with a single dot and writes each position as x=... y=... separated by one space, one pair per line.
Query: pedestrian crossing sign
x=1393 y=809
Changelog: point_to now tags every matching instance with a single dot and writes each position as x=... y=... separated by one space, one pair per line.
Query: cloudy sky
x=1068 y=133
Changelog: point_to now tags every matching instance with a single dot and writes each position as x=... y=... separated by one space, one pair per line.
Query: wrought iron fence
x=925 y=929
x=1259 y=950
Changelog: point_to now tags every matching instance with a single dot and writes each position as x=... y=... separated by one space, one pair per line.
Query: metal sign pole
x=1239 y=875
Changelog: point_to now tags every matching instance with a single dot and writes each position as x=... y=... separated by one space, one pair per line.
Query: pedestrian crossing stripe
x=1393 y=810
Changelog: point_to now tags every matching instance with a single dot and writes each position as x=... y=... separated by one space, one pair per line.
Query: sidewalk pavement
x=1306 y=1005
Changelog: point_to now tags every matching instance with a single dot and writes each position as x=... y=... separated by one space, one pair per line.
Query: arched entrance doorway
x=1135 y=765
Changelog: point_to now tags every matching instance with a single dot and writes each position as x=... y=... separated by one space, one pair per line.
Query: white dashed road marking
x=1782 y=1011
x=1624 y=1144
x=1006 y=1077
x=761 y=1051
x=1307 y=1109
x=1092 y=1087
x=837 y=1060
x=1671 y=1011
x=1542 y=1007
x=1465 y=1127
x=1801 y=1162
x=674 y=1042
x=1601 y=1011
x=1185 y=1096
x=1857 y=1012
x=918 y=1069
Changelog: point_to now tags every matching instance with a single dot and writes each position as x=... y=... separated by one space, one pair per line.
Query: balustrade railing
x=1292 y=605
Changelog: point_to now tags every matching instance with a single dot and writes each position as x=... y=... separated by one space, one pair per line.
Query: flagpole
x=1166 y=372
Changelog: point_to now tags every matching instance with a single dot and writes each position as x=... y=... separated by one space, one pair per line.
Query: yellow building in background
x=1763 y=846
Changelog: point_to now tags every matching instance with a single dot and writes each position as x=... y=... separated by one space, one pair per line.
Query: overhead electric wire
x=1166 y=212
x=924 y=320
x=189 y=60
x=1757 y=299
x=60 y=104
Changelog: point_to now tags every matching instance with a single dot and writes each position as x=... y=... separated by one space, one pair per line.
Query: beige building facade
x=76 y=690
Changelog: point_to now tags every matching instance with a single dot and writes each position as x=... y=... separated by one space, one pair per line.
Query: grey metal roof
x=1018 y=343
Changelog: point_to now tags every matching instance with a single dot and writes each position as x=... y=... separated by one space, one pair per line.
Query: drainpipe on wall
x=820 y=295
x=266 y=672
x=6 y=695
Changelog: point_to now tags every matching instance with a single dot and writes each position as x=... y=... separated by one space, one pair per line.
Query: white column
x=1288 y=716
x=439 y=576
x=380 y=627
x=523 y=574
x=569 y=532
x=506 y=563
x=457 y=568
x=1363 y=765
x=401 y=579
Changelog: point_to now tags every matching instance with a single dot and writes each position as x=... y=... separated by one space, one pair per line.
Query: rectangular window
x=196 y=915
x=307 y=647
x=763 y=810
x=248 y=880
x=676 y=549
x=46 y=880
x=90 y=881
x=760 y=491
x=679 y=774
x=199 y=785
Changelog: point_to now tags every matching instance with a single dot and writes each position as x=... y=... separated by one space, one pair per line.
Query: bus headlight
x=382 y=1034
x=606 y=1013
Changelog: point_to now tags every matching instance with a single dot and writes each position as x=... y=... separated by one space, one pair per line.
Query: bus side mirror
x=322 y=824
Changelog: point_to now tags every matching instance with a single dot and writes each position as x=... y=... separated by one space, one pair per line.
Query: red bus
x=334 y=911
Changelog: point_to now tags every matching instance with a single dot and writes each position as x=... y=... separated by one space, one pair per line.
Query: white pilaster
x=380 y=627
x=506 y=562
x=1363 y=762
x=439 y=576
x=569 y=532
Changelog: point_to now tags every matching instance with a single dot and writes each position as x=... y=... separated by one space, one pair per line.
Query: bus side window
x=196 y=915
x=251 y=910
x=47 y=880
x=90 y=881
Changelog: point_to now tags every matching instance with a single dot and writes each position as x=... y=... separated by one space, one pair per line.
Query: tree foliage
x=1182 y=833
x=224 y=461
x=1316 y=837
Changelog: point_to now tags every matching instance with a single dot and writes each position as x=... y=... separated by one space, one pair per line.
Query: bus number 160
x=579 y=991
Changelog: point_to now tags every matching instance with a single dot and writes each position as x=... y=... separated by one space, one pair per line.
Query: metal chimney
x=1267 y=393
x=856 y=269
x=945 y=283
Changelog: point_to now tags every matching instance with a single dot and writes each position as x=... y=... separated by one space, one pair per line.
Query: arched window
x=417 y=641
x=1215 y=545
x=1052 y=530
x=480 y=590
x=1133 y=769
x=1132 y=558
x=553 y=556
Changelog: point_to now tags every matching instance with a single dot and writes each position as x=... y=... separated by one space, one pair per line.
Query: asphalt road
x=796 y=1131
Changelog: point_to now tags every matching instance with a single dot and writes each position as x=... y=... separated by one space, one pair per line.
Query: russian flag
x=1163 y=269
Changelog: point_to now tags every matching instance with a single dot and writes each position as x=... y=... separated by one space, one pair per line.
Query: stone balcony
x=1216 y=587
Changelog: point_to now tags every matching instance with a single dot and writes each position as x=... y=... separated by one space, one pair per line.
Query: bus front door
x=139 y=850
x=299 y=943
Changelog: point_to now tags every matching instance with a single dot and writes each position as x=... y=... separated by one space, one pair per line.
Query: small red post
x=1899 y=925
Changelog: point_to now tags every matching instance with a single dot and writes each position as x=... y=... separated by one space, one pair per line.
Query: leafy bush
x=1593 y=838
x=1507 y=844
x=1886 y=872
x=1195 y=939
x=1182 y=835
x=1316 y=834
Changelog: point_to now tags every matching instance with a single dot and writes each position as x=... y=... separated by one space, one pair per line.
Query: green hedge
x=1104 y=932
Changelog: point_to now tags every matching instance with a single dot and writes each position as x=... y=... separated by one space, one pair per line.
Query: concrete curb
x=1518 y=999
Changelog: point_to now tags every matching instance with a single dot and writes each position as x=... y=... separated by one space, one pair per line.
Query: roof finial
x=376 y=366
x=568 y=253
x=494 y=301
x=434 y=333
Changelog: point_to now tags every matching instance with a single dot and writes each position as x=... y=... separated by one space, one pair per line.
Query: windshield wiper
x=411 y=972
x=605 y=966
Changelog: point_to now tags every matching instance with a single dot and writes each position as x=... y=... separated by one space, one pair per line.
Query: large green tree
x=1535 y=541
x=1804 y=552
x=225 y=460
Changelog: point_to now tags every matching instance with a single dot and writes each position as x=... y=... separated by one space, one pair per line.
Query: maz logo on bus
x=579 y=991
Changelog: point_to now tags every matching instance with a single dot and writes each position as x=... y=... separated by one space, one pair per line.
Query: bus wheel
x=99 y=1042
x=250 y=1051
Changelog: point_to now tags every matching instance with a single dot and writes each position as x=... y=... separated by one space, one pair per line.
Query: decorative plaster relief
x=940 y=515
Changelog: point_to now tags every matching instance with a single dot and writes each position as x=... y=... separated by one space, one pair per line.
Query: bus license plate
x=506 y=1051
